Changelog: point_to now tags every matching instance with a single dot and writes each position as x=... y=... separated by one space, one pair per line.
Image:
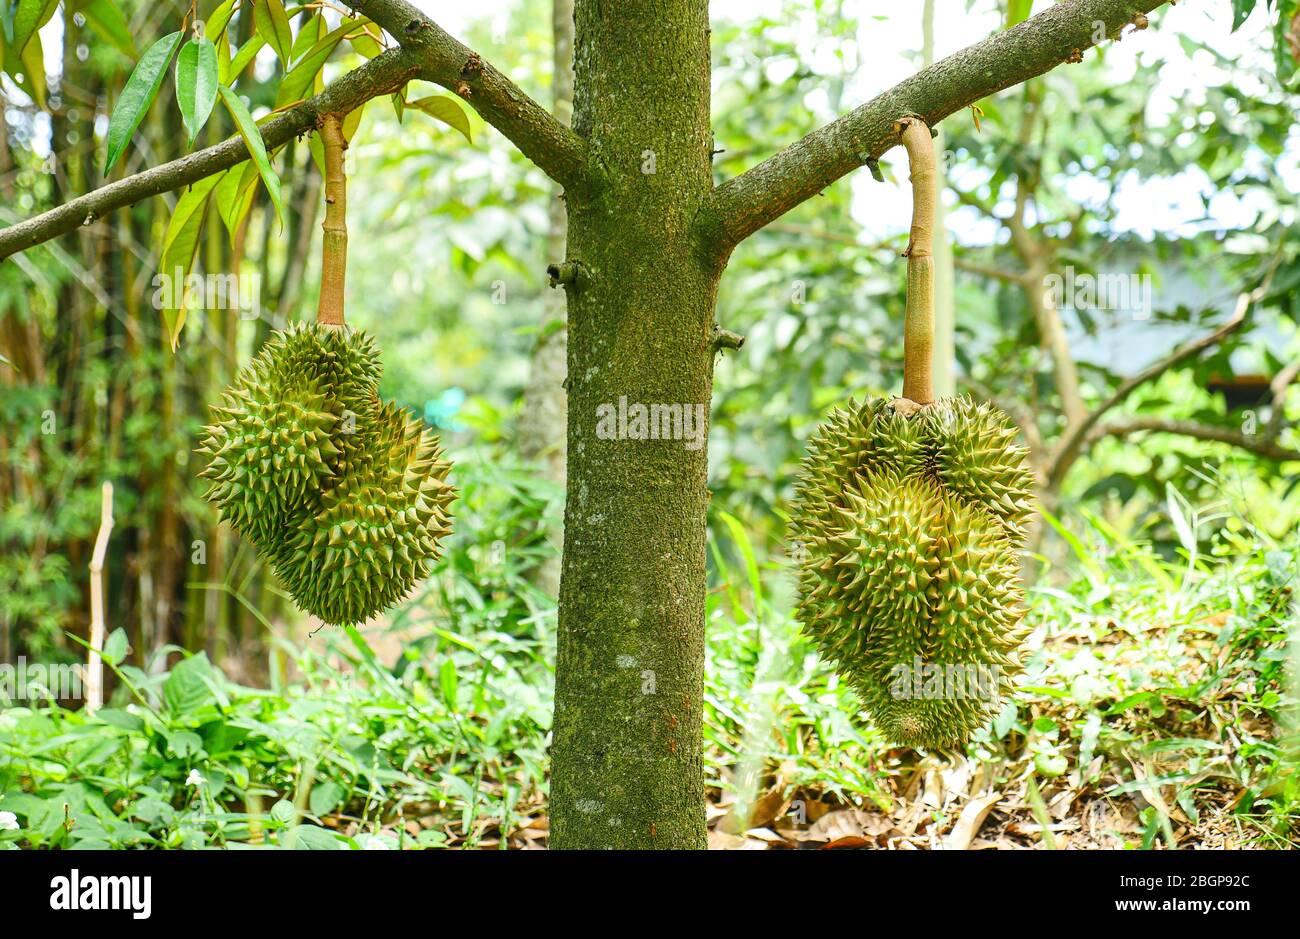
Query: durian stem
x=918 y=325
x=334 y=244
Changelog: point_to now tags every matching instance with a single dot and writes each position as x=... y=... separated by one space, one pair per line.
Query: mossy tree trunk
x=626 y=760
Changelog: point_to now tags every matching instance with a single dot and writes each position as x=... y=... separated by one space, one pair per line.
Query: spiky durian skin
x=344 y=494
x=911 y=527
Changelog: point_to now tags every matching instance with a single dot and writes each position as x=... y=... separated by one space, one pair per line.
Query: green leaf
x=33 y=61
x=294 y=85
x=115 y=646
x=196 y=84
x=308 y=36
x=310 y=838
x=256 y=146
x=1018 y=11
x=189 y=686
x=1241 y=9
x=180 y=241
x=242 y=58
x=283 y=811
x=234 y=196
x=272 y=24
x=352 y=121
x=366 y=45
x=106 y=19
x=220 y=18
x=29 y=17
x=139 y=93
x=448 y=110
x=1186 y=536
x=325 y=796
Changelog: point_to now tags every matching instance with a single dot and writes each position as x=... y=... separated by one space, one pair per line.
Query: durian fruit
x=911 y=514
x=911 y=527
x=344 y=494
x=377 y=530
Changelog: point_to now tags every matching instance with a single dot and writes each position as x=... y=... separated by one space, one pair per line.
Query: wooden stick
x=918 y=327
x=98 y=585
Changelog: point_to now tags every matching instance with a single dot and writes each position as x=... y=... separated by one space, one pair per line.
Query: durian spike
x=334 y=244
x=918 y=326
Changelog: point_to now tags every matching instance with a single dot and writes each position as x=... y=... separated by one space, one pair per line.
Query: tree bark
x=627 y=766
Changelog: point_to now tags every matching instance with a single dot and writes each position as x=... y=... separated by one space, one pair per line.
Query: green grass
x=1157 y=709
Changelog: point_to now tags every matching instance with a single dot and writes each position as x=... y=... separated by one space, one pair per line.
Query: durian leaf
x=180 y=242
x=245 y=55
x=29 y=17
x=106 y=19
x=308 y=36
x=352 y=122
x=317 y=149
x=366 y=45
x=196 y=84
x=234 y=197
x=33 y=59
x=138 y=95
x=448 y=110
x=216 y=24
x=1018 y=11
x=272 y=24
x=295 y=84
x=256 y=146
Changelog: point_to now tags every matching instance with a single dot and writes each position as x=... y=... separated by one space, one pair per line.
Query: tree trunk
x=627 y=767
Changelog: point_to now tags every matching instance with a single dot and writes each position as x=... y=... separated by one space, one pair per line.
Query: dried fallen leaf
x=970 y=820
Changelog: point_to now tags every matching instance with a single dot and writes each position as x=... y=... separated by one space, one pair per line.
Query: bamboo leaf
x=448 y=110
x=196 y=84
x=140 y=91
x=272 y=24
x=180 y=242
x=256 y=146
x=107 y=20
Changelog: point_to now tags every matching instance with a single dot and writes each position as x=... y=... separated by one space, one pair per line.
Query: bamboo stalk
x=918 y=327
x=98 y=587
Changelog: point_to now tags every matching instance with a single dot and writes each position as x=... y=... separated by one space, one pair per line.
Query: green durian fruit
x=344 y=494
x=911 y=520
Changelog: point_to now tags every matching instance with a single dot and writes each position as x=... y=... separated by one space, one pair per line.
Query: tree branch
x=1253 y=443
x=993 y=273
x=1279 y=386
x=1076 y=436
x=381 y=75
x=746 y=203
x=555 y=148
